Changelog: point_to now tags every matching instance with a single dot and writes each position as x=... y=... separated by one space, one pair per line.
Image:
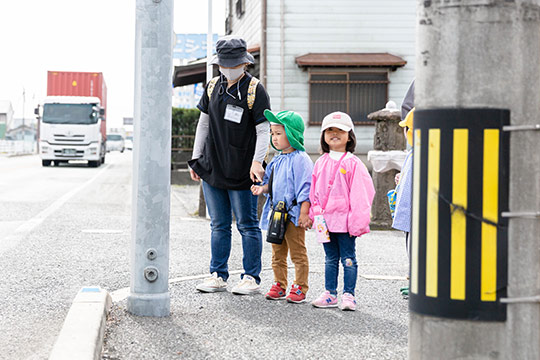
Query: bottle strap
x=331 y=184
x=270 y=182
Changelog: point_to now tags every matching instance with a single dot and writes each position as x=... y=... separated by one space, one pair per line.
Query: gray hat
x=231 y=52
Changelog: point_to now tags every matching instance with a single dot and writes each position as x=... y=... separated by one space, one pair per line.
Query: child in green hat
x=287 y=181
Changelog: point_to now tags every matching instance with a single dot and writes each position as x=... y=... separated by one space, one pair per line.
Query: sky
x=75 y=35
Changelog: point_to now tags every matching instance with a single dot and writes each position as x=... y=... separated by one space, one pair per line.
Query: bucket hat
x=231 y=52
x=293 y=124
x=338 y=120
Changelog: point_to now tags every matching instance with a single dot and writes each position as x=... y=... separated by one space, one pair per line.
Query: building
x=315 y=57
x=6 y=117
x=188 y=49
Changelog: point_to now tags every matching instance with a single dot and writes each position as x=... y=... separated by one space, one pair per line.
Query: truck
x=72 y=118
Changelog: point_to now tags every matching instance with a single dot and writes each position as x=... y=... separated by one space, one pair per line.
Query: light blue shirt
x=402 y=216
x=292 y=180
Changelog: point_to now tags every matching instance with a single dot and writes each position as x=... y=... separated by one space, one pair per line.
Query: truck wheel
x=46 y=162
x=103 y=159
x=93 y=164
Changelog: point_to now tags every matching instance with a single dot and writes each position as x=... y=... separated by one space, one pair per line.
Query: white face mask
x=232 y=74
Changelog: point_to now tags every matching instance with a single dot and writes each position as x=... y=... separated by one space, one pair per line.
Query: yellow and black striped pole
x=460 y=188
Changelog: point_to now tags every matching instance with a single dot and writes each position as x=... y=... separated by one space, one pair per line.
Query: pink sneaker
x=348 y=302
x=325 y=300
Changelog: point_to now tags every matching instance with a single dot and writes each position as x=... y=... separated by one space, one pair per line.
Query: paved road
x=66 y=227
x=60 y=228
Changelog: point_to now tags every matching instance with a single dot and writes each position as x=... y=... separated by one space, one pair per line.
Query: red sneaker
x=276 y=292
x=296 y=295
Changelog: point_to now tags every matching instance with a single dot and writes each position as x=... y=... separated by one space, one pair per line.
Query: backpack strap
x=211 y=85
x=252 y=90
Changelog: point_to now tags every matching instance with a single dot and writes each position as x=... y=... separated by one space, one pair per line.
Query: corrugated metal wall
x=311 y=26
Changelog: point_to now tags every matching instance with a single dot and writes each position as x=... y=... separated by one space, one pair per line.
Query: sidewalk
x=225 y=326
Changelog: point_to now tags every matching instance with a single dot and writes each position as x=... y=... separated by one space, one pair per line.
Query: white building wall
x=315 y=26
x=248 y=26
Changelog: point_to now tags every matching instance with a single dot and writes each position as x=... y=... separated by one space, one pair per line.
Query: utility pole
x=149 y=292
x=209 y=44
x=24 y=105
x=480 y=55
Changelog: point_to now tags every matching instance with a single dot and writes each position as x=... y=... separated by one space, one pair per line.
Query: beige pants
x=295 y=242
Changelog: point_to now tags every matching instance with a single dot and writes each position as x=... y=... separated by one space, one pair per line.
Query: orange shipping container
x=71 y=83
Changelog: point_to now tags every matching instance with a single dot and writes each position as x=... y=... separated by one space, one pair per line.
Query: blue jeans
x=342 y=247
x=221 y=203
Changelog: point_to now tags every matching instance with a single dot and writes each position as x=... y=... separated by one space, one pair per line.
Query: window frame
x=347 y=72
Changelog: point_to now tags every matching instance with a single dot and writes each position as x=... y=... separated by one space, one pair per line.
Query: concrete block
x=81 y=336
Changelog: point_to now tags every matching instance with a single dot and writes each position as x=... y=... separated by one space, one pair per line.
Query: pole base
x=155 y=305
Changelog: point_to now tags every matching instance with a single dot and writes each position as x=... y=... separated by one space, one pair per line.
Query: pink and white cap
x=338 y=120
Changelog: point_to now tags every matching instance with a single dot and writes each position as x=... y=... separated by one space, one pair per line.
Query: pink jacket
x=349 y=203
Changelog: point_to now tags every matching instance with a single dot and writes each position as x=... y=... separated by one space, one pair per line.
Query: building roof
x=350 y=59
x=195 y=72
x=190 y=74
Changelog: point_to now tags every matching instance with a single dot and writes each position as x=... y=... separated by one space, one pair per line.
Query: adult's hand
x=194 y=175
x=256 y=173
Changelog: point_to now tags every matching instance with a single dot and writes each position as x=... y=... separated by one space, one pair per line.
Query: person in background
x=342 y=193
x=402 y=214
x=290 y=174
x=230 y=145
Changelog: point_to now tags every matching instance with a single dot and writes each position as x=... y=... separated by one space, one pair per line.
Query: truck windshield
x=114 y=137
x=70 y=114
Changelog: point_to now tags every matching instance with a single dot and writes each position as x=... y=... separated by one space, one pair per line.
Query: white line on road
x=12 y=240
x=121 y=294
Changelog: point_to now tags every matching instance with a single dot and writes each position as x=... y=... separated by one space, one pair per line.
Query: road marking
x=383 y=277
x=12 y=240
x=122 y=294
x=102 y=231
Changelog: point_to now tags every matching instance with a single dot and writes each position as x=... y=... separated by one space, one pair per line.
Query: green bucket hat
x=293 y=124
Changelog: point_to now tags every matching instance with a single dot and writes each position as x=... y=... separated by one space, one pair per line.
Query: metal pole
x=479 y=54
x=149 y=294
x=209 y=44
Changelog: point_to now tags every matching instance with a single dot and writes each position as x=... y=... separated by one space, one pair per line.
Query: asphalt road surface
x=65 y=227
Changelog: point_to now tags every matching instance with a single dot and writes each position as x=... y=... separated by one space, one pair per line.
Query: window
x=240 y=8
x=356 y=93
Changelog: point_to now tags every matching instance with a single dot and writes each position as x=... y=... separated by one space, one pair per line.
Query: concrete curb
x=81 y=336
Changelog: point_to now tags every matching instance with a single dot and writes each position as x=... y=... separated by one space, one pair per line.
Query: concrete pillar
x=474 y=53
x=388 y=137
x=149 y=256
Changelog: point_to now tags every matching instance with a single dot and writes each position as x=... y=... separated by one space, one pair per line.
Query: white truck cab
x=71 y=129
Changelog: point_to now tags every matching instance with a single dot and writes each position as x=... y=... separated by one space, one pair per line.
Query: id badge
x=234 y=113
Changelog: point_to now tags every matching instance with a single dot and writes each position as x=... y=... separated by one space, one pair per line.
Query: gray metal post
x=149 y=294
x=485 y=54
x=209 y=44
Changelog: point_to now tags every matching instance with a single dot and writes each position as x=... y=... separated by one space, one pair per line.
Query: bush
x=184 y=121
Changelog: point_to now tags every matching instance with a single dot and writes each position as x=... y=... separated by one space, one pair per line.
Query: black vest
x=229 y=149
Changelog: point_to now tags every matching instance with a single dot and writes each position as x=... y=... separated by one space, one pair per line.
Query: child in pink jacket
x=342 y=192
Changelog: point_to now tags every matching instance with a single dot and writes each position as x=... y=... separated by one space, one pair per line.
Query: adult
x=230 y=145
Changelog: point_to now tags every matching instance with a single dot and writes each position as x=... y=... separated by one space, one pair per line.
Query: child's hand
x=398 y=176
x=256 y=189
x=304 y=221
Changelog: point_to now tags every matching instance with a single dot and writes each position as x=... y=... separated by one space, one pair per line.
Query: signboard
x=459 y=247
x=192 y=46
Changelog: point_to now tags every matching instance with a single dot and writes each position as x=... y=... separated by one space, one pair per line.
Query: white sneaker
x=246 y=286
x=212 y=284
